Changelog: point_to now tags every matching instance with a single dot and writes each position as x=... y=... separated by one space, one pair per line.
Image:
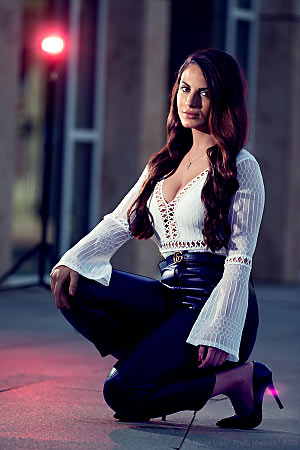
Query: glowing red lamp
x=52 y=44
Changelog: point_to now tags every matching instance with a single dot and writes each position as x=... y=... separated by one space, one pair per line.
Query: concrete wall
x=10 y=27
x=136 y=108
x=277 y=139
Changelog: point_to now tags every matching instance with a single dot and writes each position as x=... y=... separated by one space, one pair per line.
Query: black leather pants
x=145 y=323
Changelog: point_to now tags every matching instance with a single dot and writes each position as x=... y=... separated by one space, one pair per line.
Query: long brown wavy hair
x=228 y=124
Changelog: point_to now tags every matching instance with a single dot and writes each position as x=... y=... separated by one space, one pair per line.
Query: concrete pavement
x=51 y=380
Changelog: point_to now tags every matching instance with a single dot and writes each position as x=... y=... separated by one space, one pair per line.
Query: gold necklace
x=190 y=162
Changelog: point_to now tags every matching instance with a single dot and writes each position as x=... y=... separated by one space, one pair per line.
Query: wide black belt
x=201 y=258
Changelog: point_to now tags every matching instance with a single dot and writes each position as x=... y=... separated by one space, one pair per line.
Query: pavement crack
x=187 y=431
x=13 y=388
x=77 y=388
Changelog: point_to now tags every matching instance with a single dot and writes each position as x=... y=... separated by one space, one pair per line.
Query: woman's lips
x=190 y=115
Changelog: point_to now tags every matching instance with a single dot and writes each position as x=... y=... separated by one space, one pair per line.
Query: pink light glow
x=271 y=391
x=52 y=44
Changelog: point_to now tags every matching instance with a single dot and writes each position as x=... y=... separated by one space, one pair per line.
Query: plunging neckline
x=184 y=189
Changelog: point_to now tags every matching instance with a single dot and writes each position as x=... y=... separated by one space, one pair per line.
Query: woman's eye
x=184 y=88
x=204 y=93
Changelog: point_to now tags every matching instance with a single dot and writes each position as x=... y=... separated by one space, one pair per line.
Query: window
x=241 y=42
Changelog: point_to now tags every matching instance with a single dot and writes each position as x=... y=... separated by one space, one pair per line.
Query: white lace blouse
x=178 y=226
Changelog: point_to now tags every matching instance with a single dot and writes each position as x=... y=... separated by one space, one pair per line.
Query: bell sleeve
x=221 y=320
x=91 y=256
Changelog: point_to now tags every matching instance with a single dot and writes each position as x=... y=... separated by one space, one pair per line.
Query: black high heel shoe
x=262 y=378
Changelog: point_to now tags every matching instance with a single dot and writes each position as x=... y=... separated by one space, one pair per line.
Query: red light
x=52 y=44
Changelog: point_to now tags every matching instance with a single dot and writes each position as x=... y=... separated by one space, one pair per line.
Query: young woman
x=186 y=338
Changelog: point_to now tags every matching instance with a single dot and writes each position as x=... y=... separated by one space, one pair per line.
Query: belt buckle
x=177 y=257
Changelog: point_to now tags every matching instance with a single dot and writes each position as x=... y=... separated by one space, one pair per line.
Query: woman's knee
x=123 y=397
x=88 y=294
x=111 y=389
x=114 y=392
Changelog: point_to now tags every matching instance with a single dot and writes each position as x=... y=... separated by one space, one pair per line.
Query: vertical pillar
x=120 y=164
x=277 y=139
x=10 y=15
x=154 y=104
x=135 y=106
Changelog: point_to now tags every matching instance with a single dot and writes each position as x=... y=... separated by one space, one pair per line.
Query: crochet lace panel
x=243 y=260
x=167 y=210
x=183 y=245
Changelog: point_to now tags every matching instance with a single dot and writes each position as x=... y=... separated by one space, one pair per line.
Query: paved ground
x=51 y=380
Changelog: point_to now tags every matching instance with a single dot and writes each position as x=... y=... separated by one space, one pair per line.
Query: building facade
x=111 y=103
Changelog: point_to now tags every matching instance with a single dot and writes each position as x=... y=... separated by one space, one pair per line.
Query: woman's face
x=193 y=103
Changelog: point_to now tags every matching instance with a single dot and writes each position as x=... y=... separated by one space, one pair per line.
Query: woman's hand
x=58 y=278
x=211 y=356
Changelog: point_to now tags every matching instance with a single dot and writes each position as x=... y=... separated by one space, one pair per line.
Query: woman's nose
x=193 y=100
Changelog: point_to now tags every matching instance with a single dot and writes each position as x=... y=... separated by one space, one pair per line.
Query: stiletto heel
x=262 y=378
x=275 y=395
